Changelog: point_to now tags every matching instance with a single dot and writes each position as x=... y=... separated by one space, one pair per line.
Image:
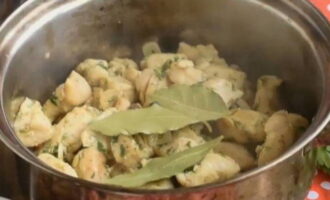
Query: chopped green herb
x=158 y=74
x=114 y=139
x=30 y=105
x=267 y=148
x=104 y=66
x=55 y=150
x=65 y=136
x=238 y=124
x=150 y=48
x=166 y=65
x=140 y=165
x=118 y=73
x=112 y=100
x=170 y=151
x=24 y=131
x=161 y=145
x=54 y=100
x=189 y=144
x=139 y=145
x=93 y=175
x=101 y=147
x=161 y=72
x=50 y=149
x=189 y=169
x=322 y=155
x=122 y=151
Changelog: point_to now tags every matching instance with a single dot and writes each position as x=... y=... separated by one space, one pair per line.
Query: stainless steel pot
x=43 y=40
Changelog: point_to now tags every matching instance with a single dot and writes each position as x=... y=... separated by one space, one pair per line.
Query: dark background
x=7 y=7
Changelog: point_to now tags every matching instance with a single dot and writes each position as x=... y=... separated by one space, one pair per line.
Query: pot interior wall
x=245 y=33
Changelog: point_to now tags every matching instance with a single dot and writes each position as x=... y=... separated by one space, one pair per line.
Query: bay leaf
x=164 y=167
x=195 y=101
x=180 y=105
x=151 y=120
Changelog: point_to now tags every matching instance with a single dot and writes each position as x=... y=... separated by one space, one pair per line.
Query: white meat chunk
x=281 y=130
x=224 y=89
x=68 y=131
x=90 y=164
x=299 y=123
x=123 y=87
x=243 y=126
x=178 y=141
x=122 y=104
x=31 y=125
x=214 y=167
x=157 y=141
x=144 y=145
x=149 y=48
x=249 y=93
x=128 y=152
x=57 y=164
x=74 y=92
x=52 y=109
x=95 y=71
x=238 y=153
x=147 y=83
x=236 y=77
x=158 y=60
x=183 y=72
x=119 y=93
x=267 y=97
x=199 y=53
x=126 y=68
x=90 y=138
x=104 y=99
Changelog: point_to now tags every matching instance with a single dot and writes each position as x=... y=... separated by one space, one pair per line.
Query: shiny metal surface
x=44 y=40
x=11 y=167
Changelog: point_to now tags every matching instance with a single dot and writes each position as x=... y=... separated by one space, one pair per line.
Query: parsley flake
x=122 y=151
x=54 y=100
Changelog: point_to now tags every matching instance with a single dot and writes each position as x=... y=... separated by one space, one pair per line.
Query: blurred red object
x=321 y=188
x=323 y=6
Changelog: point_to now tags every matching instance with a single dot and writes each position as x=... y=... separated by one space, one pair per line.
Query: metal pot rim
x=321 y=119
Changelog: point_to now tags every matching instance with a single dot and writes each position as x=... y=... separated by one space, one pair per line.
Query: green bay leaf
x=195 y=101
x=151 y=120
x=164 y=167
